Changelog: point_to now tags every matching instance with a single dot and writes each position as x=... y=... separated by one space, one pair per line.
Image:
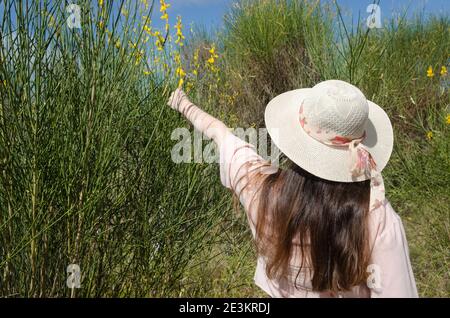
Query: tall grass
x=85 y=166
x=267 y=40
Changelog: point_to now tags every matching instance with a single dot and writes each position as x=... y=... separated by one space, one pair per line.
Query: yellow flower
x=177 y=58
x=164 y=6
x=100 y=24
x=117 y=44
x=430 y=72
x=195 y=72
x=447 y=119
x=159 y=40
x=189 y=86
x=180 y=72
x=163 y=10
x=148 y=29
x=443 y=71
x=429 y=135
x=100 y=3
x=159 y=44
x=179 y=28
x=147 y=72
x=213 y=56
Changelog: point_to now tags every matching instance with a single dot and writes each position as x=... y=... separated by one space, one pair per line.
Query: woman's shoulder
x=238 y=159
x=390 y=211
x=386 y=224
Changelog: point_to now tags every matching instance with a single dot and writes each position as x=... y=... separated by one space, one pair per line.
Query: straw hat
x=331 y=131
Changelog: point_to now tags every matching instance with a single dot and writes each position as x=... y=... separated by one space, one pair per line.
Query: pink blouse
x=390 y=270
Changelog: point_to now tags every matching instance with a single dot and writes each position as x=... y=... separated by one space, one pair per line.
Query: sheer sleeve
x=392 y=274
x=239 y=163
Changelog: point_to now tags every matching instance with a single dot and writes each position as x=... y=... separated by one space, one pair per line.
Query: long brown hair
x=325 y=220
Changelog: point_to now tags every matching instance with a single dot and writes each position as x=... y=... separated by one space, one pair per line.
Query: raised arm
x=238 y=159
x=202 y=121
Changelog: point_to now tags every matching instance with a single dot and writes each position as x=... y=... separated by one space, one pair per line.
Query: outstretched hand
x=202 y=121
x=178 y=100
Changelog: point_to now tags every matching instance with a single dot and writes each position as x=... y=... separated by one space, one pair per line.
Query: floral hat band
x=362 y=161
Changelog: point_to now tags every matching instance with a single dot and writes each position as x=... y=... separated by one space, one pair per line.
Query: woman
x=322 y=227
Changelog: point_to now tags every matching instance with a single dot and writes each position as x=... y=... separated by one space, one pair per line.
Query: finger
x=169 y=102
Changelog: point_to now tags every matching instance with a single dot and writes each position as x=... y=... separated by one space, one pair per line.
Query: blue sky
x=210 y=12
x=201 y=12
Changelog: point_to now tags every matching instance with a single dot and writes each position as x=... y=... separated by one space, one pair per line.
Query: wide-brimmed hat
x=331 y=130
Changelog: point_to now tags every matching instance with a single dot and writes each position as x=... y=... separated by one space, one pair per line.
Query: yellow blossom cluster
x=442 y=72
x=180 y=73
x=179 y=28
x=213 y=56
x=211 y=65
x=159 y=40
x=163 y=9
x=166 y=55
x=196 y=62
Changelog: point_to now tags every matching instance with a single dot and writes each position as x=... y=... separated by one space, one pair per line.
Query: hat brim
x=327 y=162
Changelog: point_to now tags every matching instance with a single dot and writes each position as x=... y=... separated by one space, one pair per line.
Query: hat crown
x=337 y=108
